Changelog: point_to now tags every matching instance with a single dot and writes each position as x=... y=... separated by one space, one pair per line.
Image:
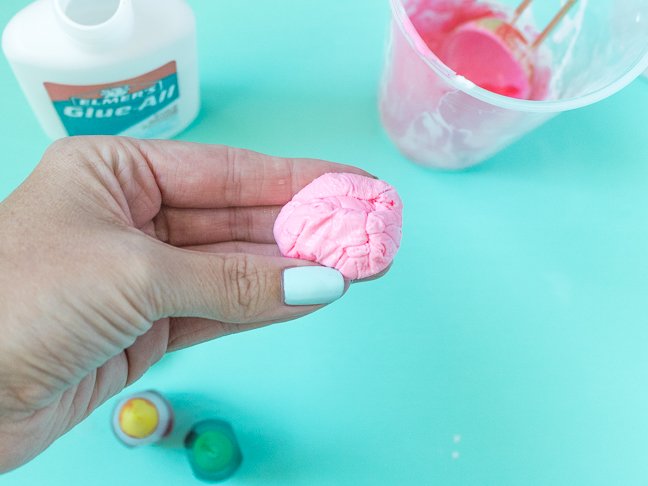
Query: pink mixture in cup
x=426 y=107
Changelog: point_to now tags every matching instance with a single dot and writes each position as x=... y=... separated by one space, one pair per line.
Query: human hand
x=115 y=251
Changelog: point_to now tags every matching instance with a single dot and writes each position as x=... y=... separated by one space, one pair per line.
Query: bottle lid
x=143 y=418
x=213 y=450
x=138 y=418
x=91 y=21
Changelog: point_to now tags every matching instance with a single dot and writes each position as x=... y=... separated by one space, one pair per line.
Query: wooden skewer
x=552 y=25
x=520 y=10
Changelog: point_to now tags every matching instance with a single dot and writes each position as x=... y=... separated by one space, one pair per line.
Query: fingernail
x=312 y=285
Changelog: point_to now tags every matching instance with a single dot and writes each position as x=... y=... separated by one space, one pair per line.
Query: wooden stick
x=520 y=10
x=552 y=25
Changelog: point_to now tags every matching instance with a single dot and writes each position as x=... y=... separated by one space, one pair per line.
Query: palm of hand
x=118 y=231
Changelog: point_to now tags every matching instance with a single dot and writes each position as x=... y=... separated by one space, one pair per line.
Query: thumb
x=242 y=288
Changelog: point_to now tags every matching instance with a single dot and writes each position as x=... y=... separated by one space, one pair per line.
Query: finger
x=185 y=332
x=269 y=249
x=239 y=288
x=211 y=176
x=184 y=227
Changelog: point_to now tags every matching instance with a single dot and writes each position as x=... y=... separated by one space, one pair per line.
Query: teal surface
x=508 y=345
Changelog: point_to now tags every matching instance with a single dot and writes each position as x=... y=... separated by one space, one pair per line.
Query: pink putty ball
x=344 y=221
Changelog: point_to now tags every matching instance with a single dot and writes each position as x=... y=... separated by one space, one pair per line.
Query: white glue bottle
x=107 y=67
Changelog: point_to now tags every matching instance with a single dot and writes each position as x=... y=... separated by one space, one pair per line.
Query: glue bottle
x=108 y=67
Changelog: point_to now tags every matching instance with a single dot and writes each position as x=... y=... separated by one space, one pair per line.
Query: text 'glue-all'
x=107 y=67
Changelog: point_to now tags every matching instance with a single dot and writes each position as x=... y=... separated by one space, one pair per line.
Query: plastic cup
x=440 y=119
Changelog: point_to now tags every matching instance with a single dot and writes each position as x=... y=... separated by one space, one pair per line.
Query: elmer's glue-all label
x=109 y=67
x=138 y=107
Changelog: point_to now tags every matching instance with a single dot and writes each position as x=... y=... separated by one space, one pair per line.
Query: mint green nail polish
x=312 y=285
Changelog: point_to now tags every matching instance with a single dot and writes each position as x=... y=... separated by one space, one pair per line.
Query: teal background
x=515 y=316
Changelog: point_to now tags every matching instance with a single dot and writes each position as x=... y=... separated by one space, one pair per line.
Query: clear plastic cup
x=440 y=119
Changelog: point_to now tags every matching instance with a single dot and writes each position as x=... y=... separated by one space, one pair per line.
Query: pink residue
x=455 y=31
x=433 y=116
